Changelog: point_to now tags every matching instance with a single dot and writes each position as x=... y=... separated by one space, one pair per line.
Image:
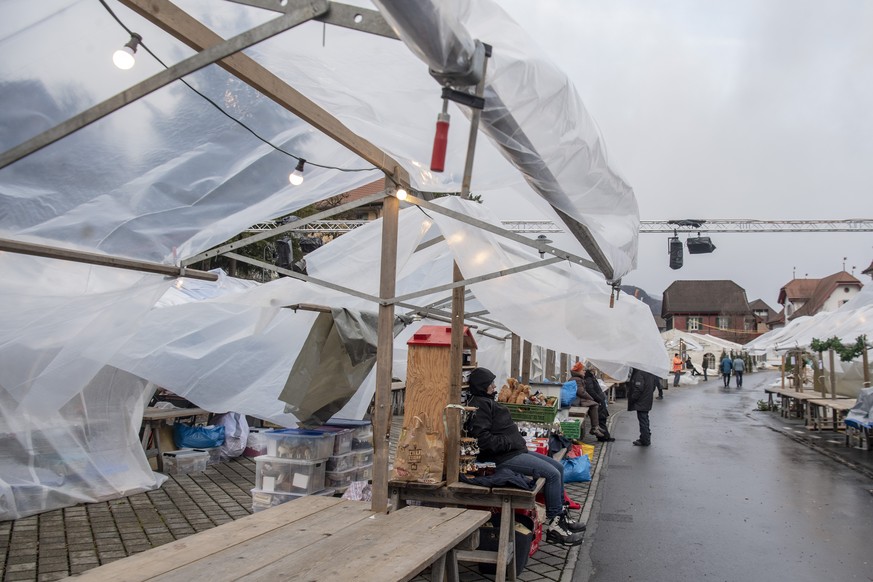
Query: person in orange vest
x=677 y=369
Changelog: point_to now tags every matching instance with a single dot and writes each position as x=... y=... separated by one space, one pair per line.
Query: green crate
x=533 y=412
x=572 y=429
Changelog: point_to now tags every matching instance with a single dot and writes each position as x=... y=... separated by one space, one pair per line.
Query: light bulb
x=124 y=57
x=296 y=177
x=401 y=194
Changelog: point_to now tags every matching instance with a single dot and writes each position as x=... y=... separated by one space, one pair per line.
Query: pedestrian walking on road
x=677 y=369
x=640 y=398
x=726 y=367
x=739 y=367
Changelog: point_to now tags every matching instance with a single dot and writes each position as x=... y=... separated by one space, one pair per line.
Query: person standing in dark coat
x=500 y=442
x=640 y=398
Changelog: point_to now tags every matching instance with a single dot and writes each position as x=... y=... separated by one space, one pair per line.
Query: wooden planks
x=428 y=378
x=314 y=538
x=157 y=561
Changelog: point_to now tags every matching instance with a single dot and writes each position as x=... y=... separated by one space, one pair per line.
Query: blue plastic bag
x=568 y=393
x=577 y=469
x=197 y=437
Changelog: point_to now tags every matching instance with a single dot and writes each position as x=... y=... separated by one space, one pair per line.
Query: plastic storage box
x=340 y=480
x=362 y=431
x=273 y=474
x=364 y=473
x=342 y=443
x=299 y=445
x=256 y=443
x=185 y=461
x=214 y=455
x=363 y=457
x=342 y=462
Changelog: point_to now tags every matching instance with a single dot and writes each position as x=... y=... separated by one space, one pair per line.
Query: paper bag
x=420 y=454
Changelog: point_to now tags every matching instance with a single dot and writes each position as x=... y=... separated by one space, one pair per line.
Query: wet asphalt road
x=719 y=496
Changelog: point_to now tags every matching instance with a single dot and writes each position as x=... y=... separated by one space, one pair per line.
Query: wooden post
x=453 y=419
x=515 y=357
x=866 y=365
x=525 y=362
x=550 y=366
x=565 y=368
x=385 y=354
x=818 y=375
x=783 y=372
x=833 y=374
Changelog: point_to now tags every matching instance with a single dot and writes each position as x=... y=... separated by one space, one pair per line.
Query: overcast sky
x=757 y=109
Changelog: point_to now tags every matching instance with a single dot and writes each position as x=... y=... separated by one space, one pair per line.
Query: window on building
x=722 y=322
x=694 y=323
x=748 y=325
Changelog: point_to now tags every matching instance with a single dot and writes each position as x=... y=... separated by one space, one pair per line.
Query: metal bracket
x=467 y=99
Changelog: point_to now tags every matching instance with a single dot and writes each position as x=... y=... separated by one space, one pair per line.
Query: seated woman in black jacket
x=501 y=443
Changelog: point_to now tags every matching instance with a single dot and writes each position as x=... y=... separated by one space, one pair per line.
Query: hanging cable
x=221 y=110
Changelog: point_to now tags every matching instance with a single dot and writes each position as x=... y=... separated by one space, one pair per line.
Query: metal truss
x=341 y=226
x=751 y=225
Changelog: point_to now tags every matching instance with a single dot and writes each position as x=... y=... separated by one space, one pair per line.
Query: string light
x=401 y=193
x=296 y=177
x=124 y=57
x=220 y=109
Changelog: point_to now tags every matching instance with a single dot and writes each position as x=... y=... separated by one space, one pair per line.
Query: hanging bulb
x=401 y=193
x=296 y=177
x=124 y=57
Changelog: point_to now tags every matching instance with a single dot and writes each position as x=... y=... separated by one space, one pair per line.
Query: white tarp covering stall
x=172 y=175
x=847 y=323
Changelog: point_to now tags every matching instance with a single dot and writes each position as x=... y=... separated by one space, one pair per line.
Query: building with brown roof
x=826 y=294
x=719 y=308
x=763 y=314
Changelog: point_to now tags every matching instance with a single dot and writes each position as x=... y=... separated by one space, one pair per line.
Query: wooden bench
x=507 y=499
x=152 y=418
x=310 y=539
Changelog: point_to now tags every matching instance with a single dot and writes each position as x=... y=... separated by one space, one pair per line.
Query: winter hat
x=577 y=367
x=480 y=379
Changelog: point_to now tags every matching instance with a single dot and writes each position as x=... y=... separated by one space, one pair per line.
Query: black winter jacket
x=498 y=436
x=641 y=391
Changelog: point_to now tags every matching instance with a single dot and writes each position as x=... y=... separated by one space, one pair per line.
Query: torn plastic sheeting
x=336 y=357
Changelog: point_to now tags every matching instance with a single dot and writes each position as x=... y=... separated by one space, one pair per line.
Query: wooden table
x=152 y=419
x=311 y=539
x=839 y=407
x=507 y=499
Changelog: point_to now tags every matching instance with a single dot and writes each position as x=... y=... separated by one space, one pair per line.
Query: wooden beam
x=192 y=32
x=385 y=353
x=515 y=357
x=36 y=250
x=525 y=362
x=453 y=419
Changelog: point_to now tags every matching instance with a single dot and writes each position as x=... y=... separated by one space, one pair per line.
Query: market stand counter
x=507 y=499
x=312 y=539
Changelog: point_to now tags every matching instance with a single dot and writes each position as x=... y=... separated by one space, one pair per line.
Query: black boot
x=557 y=533
x=570 y=525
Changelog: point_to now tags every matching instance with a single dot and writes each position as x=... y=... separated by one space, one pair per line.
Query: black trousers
x=645 y=431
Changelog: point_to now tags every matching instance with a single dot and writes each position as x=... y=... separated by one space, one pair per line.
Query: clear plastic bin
x=362 y=431
x=300 y=445
x=185 y=461
x=342 y=462
x=363 y=457
x=273 y=474
x=256 y=443
x=342 y=443
x=339 y=480
x=214 y=455
x=364 y=473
